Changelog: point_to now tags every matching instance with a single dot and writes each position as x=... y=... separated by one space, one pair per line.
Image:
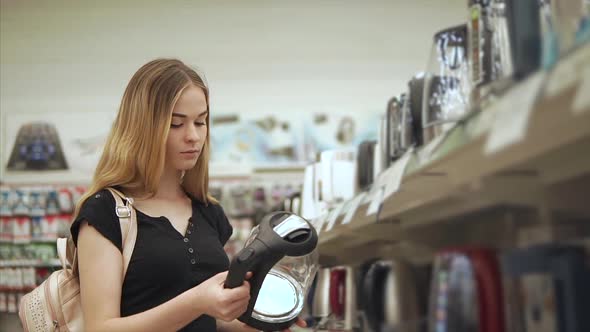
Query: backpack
x=55 y=304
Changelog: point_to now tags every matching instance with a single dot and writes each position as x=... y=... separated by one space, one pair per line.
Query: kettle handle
x=237 y=273
x=248 y=259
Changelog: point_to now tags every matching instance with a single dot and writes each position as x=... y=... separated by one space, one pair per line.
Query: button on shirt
x=164 y=263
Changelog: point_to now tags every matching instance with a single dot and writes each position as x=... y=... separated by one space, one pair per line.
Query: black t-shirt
x=164 y=262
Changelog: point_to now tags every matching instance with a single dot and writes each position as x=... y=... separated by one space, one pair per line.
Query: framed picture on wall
x=52 y=147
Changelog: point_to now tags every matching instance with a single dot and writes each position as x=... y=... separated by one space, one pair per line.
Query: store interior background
x=258 y=57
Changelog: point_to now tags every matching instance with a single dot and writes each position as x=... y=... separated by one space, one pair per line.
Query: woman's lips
x=191 y=153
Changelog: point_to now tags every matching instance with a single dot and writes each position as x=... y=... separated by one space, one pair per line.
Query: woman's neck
x=169 y=187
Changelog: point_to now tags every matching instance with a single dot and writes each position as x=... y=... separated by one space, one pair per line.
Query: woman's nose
x=193 y=134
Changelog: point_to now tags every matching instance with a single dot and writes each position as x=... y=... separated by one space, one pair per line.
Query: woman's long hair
x=134 y=154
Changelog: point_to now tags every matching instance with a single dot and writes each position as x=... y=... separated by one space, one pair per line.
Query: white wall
x=270 y=55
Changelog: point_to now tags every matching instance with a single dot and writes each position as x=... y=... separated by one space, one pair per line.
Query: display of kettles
x=280 y=253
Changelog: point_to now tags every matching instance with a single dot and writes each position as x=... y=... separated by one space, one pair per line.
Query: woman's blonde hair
x=134 y=154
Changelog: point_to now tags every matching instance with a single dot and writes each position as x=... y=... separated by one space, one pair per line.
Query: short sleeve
x=99 y=211
x=224 y=228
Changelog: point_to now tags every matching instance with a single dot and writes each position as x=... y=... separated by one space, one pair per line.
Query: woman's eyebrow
x=180 y=115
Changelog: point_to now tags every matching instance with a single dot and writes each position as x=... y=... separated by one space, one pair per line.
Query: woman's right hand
x=222 y=303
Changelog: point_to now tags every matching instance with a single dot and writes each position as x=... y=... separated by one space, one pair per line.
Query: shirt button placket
x=186 y=240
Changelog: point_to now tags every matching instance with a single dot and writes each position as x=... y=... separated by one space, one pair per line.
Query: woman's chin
x=185 y=167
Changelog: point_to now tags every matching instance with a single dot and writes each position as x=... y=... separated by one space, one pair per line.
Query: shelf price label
x=426 y=152
x=318 y=223
x=582 y=99
x=376 y=198
x=395 y=174
x=513 y=112
x=567 y=71
x=332 y=216
x=352 y=205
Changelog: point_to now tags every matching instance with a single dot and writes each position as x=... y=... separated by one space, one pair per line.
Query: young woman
x=157 y=153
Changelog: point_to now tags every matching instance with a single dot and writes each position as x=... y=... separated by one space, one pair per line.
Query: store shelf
x=547 y=168
x=30 y=263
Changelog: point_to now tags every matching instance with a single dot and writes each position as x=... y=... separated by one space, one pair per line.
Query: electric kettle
x=343 y=301
x=365 y=166
x=479 y=48
x=414 y=105
x=280 y=253
x=320 y=306
x=394 y=123
x=547 y=288
x=392 y=301
x=447 y=86
x=504 y=43
x=466 y=292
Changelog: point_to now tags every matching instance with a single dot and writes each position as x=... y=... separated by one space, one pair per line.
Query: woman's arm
x=101 y=269
x=234 y=326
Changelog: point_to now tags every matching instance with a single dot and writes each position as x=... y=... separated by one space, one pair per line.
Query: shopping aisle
x=385 y=166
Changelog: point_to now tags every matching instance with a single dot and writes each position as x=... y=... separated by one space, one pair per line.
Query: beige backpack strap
x=62 y=251
x=127 y=220
x=128 y=223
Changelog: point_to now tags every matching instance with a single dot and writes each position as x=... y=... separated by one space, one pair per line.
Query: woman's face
x=188 y=130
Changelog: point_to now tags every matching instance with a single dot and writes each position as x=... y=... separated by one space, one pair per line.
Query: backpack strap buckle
x=124 y=211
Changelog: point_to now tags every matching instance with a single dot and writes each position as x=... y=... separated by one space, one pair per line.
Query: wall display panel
x=330 y=130
x=286 y=138
x=258 y=139
x=52 y=147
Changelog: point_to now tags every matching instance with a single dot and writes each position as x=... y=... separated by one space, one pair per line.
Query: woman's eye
x=174 y=125
x=200 y=123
